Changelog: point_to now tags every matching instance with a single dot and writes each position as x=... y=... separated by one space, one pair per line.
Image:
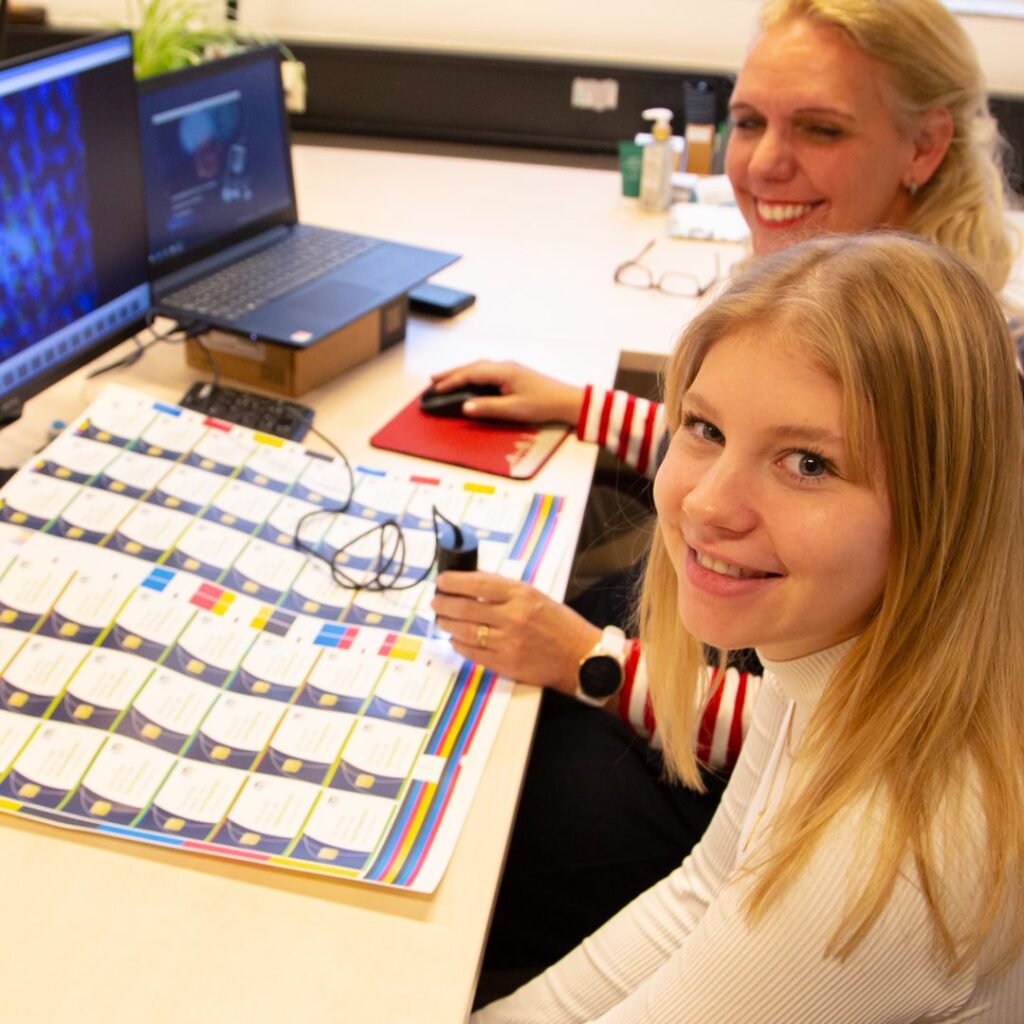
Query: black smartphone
x=437 y=300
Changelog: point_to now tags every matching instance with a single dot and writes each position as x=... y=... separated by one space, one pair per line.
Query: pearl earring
x=912 y=187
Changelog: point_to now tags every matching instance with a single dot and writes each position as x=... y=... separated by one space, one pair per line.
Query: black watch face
x=600 y=676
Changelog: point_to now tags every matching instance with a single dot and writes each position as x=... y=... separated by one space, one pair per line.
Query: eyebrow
x=810 y=111
x=783 y=432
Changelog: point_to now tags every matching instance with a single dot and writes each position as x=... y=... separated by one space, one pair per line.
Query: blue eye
x=702 y=429
x=807 y=465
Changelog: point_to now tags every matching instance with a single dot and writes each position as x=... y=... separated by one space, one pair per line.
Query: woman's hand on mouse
x=513 y=628
x=526 y=395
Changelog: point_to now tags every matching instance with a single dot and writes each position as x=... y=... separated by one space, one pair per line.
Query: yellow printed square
x=207 y=464
x=220 y=752
x=174 y=824
x=116 y=485
x=222 y=604
x=368 y=513
x=191 y=564
x=154 y=449
x=364 y=780
x=261 y=686
x=327 y=700
x=341 y=558
x=19 y=517
x=195 y=666
x=259 y=622
x=133 y=547
x=307 y=606
x=83 y=712
x=68 y=629
x=63 y=473
x=172 y=502
x=283 y=538
x=18 y=699
x=151 y=731
x=327 y=853
x=249 y=839
x=131 y=642
x=228 y=519
x=250 y=587
x=101 y=808
x=8 y=615
x=103 y=435
x=74 y=532
x=372 y=618
x=260 y=480
x=315 y=498
x=28 y=790
x=291 y=765
x=396 y=712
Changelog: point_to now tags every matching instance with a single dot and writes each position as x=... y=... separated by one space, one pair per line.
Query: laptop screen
x=73 y=274
x=215 y=156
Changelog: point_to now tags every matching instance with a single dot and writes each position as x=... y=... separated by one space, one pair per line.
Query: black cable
x=389 y=562
x=188 y=329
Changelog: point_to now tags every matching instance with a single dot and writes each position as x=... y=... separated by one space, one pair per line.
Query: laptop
x=225 y=245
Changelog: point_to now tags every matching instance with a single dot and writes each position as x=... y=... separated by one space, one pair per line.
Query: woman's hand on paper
x=526 y=395
x=513 y=628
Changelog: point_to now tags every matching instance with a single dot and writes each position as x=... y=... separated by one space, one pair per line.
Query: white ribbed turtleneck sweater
x=683 y=953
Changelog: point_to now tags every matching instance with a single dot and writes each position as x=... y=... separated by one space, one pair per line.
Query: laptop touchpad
x=330 y=296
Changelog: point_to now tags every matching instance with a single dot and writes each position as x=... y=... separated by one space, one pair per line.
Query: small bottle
x=658 y=158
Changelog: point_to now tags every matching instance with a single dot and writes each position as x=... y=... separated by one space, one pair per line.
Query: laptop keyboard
x=259 y=412
x=242 y=287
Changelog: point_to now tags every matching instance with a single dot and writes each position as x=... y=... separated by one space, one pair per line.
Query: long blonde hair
x=932 y=63
x=935 y=683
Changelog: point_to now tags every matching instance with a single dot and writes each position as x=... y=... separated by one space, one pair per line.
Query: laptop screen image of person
x=225 y=244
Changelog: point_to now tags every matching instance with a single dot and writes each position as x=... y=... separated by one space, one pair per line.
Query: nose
x=771 y=158
x=722 y=498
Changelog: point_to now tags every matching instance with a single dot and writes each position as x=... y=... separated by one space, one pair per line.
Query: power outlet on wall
x=598 y=94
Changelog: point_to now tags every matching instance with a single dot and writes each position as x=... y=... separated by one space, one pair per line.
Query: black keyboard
x=303 y=255
x=269 y=415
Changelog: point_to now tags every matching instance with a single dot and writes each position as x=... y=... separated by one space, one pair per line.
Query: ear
x=932 y=135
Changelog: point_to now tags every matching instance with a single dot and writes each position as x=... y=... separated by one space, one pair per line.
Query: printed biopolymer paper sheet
x=174 y=671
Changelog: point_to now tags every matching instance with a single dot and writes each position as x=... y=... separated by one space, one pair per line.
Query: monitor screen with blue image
x=73 y=272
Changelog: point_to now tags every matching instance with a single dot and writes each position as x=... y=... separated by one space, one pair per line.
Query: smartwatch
x=602 y=670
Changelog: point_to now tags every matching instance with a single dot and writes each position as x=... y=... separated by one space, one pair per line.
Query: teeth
x=725 y=569
x=782 y=211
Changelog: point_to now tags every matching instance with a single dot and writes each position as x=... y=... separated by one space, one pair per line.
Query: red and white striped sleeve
x=723 y=724
x=630 y=428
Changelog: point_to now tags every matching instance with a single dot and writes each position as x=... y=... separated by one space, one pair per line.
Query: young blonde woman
x=844 y=491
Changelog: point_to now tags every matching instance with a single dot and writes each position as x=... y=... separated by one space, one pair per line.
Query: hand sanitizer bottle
x=656 y=168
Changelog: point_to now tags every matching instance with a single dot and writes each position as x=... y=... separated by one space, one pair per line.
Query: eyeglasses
x=634 y=274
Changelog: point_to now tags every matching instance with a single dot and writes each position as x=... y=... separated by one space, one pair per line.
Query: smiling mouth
x=716 y=565
x=783 y=214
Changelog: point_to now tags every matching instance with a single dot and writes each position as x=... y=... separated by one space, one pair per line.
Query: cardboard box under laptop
x=294 y=371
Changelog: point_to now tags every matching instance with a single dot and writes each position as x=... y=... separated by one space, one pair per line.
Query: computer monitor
x=73 y=273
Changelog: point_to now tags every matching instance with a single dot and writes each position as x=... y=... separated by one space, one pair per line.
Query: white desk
x=103 y=932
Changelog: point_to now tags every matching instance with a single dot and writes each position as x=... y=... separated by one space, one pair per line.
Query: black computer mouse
x=449 y=403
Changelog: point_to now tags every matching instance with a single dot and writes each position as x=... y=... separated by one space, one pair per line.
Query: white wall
x=666 y=33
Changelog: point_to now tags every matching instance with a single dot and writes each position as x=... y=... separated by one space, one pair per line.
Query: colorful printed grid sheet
x=174 y=671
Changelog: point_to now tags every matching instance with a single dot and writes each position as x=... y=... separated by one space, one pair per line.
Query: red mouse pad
x=515 y=450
